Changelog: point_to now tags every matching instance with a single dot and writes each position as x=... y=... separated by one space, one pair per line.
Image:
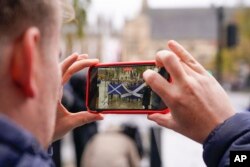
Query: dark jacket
x=232 y=135
x=18 y=148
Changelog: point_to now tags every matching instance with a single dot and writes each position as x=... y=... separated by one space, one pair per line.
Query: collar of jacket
x=19 y=139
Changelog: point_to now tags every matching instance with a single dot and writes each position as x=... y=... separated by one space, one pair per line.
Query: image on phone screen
x=123 y=88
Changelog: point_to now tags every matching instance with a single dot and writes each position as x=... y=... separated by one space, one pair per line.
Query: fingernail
x=172 y=42
x=149 y=117
x=75 y=53
x=147 y=73
x=83 y=56
x=99 y=117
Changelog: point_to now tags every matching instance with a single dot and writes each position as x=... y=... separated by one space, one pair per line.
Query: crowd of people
x=122 y=87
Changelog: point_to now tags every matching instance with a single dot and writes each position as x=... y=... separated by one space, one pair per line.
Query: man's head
x=29 y=71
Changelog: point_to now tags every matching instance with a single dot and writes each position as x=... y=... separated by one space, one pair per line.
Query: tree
x=75 y=28
x=80 y=7
x=233 y=57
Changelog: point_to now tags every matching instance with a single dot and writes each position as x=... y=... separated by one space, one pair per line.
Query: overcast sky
x=118 y=10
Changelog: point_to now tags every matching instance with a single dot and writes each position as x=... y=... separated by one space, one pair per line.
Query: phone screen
x=123 y=88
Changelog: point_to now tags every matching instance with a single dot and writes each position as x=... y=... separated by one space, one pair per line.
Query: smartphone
x=119 y=88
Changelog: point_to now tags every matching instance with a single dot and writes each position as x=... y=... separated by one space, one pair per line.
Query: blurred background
x=215 y=32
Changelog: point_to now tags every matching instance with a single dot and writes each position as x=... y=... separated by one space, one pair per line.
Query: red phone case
x=121 y=111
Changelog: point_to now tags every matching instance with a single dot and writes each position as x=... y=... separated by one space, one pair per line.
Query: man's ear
x=23 y=61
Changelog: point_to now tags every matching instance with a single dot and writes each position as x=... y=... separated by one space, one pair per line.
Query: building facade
x=194 y=28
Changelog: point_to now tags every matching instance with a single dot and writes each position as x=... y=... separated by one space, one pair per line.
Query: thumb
x=83 y=117
x=165 y=120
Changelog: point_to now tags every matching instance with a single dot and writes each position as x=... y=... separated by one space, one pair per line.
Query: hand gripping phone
x=119 y=88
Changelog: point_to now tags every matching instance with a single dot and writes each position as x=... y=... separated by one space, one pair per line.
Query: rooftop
x=186 y=23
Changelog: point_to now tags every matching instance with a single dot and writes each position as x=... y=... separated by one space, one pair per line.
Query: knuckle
x=176 y=100
x=177 y=97
x=181 y=51
x=165 y=55
x=152 y=78
x=186 y=89
x=191 y=61
x=162 y=52
x=202 y=80
x=169 y=58
x=189 y=87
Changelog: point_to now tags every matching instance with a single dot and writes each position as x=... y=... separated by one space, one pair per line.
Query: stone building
x=194 y=28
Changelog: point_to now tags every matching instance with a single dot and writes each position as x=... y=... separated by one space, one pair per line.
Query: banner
x=132 y=91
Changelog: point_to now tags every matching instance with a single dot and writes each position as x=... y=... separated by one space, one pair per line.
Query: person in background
x=111 y=148
x=74 y=100
x=31 y=113
x=81 y=134
x=146 y=97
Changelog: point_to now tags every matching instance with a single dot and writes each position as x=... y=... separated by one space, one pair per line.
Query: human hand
x=197 y=101
x=66 y=121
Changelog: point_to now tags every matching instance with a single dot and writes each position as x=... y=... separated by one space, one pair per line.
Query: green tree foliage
x=241 y=53
x=80 y=7
x=75 y=28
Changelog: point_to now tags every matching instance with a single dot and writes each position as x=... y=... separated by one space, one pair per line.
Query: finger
x=158 y=84
x=70 y=121
x=77 y=66
x=158 y=62
x=185 y=56
x=83 y=117
x=189 y=71
x=165 y=120
x=82 y=56
x=180 y=51
x=172 y=64
x=66 y=63
x=62 y=110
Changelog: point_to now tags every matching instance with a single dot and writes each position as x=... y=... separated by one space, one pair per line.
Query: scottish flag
x=115 y=89
x=133 y=92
